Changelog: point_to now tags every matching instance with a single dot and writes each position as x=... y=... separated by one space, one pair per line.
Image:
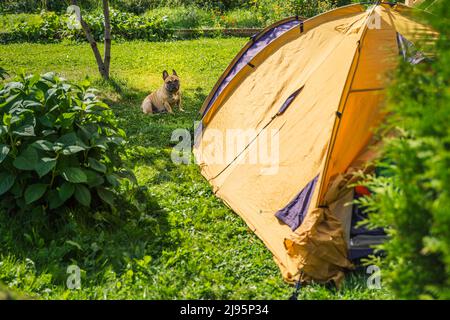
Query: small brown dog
x=166 y=97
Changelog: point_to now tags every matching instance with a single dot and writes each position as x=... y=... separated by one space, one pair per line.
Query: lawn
x=187 y=244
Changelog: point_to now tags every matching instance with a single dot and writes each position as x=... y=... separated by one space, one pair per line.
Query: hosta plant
x=59 y=146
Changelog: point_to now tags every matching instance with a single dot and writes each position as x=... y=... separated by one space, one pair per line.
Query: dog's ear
x=165 y=74
x=174 y=72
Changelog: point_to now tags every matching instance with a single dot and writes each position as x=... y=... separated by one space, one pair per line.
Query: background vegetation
x=46 y=21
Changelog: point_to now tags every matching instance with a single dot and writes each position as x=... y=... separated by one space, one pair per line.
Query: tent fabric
x=253 y=49
x=328 y=78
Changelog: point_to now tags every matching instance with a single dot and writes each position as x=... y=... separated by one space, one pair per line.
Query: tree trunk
x=107 y=53
x=87 y=31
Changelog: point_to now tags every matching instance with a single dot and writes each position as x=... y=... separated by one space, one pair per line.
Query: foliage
x=8 y=21
x=183 y=17
x=159 y=18
x=272 y=11
x=186 y=244
x=3 y=74
x=59 y=145
x=134 y=6
x=33 y=6
x=53 y=28
x=412 y=198
x=192 y=17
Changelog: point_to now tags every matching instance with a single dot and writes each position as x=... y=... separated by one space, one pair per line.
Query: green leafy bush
x=412 y=196
x=59 y=146
x=54 y=28
x=274 y=10
x=134 y=6
x=183 y=17
x=47 y=29
x=8 y=21
x=32 y=6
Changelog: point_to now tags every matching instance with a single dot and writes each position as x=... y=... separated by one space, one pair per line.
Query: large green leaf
x=83 y=195
x=106 y=195
x=6 y=181
x=3 y=130
x=74 y=175
x=112 y=179
x=72 y=150
x=25 y=131
x=93 y=178
x=32 y=79
x=66 y=191
x=43 y=145
x=68 y=139
x=11 y=99
x=7 y=119
x=47 y=120
x=44 y=166
x=29 y=104
x=96 y=165
x=4 y=150
x=54 y=200
x=27 y=160
x=34 y=192
x=66 y=119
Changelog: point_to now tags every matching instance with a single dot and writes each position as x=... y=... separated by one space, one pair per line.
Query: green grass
x=188 y=244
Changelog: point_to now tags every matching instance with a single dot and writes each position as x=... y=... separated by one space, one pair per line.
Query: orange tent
x=290 y=116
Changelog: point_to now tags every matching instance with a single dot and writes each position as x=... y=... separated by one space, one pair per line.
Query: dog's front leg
x=168 y=107
x=179 y=104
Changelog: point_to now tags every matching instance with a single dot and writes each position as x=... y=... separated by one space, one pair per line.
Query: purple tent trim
x=259 y=44
x=289 y=100
x=408 y=50
x=294 y=213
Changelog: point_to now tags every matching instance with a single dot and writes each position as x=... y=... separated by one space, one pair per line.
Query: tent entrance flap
x=294 y=213
x=289 y=101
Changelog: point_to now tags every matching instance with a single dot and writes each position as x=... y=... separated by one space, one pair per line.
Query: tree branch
x=93 y=43
x=107 y=53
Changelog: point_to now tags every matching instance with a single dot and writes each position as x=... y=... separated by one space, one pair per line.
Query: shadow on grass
x=97 y=241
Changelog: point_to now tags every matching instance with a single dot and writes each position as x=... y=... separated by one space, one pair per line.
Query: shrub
x=8 y=21
x=134 y=6
x=272 y=11
x=30 y=6
x=183 y=17
x=53 y=28
x=240 y=18
x=412 y=197
x=59 y=146
x=129 y=26
x=47 y=29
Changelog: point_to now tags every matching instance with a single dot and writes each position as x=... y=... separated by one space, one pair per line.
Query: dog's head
x=171 y=82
